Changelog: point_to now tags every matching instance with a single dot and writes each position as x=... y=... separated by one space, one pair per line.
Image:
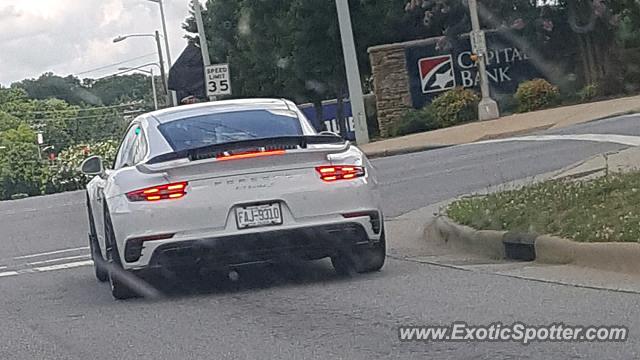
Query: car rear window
x=212 y=129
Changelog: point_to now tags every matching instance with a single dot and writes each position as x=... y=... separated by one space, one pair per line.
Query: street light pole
x=163 y=75
x=153 y=80
x=487 y=108
x=153 y=89
x=353 y=72
x=174 y=100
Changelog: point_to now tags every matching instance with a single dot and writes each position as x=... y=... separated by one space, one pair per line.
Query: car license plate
x=259 y=215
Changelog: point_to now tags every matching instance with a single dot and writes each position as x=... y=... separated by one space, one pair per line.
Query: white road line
x=58 y=259
x=608 y=138
x=8 y=273
x=50 y=253
x=2 y=267
x=64 y=266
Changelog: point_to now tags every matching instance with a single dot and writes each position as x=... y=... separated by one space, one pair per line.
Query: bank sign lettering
x=432 y=72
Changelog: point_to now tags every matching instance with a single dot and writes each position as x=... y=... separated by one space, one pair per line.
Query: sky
x=75 y=36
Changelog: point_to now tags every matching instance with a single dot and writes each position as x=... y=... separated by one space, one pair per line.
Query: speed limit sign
x=218 y=80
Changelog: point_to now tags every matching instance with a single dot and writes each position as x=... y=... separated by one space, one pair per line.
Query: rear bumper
x=234 y=250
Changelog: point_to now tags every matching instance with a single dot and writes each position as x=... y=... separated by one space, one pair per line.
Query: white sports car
x=229 y=183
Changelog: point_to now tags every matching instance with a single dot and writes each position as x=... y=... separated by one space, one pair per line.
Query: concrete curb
x=618 y=257
x=401 y=151
x=483 y=242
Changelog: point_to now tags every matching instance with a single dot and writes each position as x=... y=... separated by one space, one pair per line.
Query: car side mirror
x=93 y=166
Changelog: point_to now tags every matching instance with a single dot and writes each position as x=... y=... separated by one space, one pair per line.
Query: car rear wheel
x=362 y=259
x=98 y=261
x=119 y=289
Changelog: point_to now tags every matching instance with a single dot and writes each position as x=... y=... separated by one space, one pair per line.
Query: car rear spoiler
x=184 y=157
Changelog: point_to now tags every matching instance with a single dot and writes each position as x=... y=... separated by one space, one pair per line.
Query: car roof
x=185 y=111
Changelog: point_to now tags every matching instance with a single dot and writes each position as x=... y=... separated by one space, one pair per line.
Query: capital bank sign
x=432 y=73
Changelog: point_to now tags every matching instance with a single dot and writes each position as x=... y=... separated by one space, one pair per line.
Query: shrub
x=588 y=92
x=455 y=107
x=414 y=121
x=66 y=175
x=20 y=165
x=536 y=94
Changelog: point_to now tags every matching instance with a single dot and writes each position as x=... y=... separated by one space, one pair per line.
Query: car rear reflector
x=374 y=217
x=250 y=154
x=339 y=172
x=160 y=192
x=134 y=246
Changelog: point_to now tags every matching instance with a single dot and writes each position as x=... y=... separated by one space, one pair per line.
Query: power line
x=116 y=74
x=76 y=110
x=83 y=117
x=115 y=64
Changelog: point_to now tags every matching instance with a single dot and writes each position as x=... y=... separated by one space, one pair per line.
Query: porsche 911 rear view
x=229 y=183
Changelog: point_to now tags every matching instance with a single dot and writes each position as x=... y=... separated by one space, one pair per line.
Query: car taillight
x=250 y=154
x=160 y=192
x=339 y=172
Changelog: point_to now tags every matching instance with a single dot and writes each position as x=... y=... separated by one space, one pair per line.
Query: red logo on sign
x=436 y=73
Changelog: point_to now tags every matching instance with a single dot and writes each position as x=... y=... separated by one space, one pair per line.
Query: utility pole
x=163 y=74
x=153 y=89
x=204 y=47
x=174 y=100
x=353 y=72
x=487 y=108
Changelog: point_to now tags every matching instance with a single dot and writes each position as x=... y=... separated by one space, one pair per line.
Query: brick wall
x=391 y=81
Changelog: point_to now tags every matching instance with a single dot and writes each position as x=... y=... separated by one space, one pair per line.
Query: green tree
x=583 y=30
x=49 y=85
x=8 y=122
x=292 y=48
x=20 y=167
x=114 y=90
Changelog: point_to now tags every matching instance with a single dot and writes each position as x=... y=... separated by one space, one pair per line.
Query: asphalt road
x=304 y=310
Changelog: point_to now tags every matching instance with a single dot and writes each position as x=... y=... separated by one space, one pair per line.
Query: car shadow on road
x=249 y=278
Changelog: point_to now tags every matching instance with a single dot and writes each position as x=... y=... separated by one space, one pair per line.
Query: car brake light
x=339 y=172
x=250 y=154
x=160 y=192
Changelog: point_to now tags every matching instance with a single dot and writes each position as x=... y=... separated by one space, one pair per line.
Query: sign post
x=218 y=81
x=478 y=42
x=204 y=47
x=487 y=108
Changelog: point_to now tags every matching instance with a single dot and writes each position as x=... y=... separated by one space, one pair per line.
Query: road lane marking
x=64 y=266
x=607 y=138
x=8 y=273
x=58 y=260
x=50 y=253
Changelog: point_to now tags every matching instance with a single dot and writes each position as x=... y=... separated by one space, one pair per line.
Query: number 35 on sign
x=218 y=80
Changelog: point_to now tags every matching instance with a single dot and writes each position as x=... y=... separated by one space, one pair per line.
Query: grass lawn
x=602 y=210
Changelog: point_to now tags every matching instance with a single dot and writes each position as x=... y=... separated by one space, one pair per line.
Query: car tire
x=119 y=289
x=101 y=272
x=362 y=259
